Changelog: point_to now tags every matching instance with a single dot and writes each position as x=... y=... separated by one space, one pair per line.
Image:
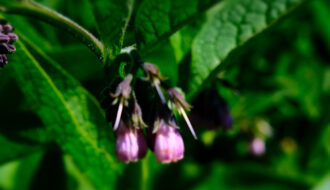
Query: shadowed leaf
x=157 y=20
x=112 y=18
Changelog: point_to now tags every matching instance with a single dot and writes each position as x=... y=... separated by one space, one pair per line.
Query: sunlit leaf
x=231 y=25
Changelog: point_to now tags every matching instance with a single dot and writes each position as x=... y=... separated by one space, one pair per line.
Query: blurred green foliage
x=53 y=134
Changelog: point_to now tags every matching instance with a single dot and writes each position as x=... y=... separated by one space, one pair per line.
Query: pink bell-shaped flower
x=168 y=146
x=130 y=143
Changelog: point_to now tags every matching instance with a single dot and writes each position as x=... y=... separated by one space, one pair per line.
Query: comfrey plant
x=7 y=38
x=162 y=132
x=140 y=105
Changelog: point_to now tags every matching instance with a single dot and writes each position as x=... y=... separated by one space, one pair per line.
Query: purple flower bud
x=152 y=71
x=11 y=48
x=13 y=37
x=257 y=147
x=169 y=146
x=7 y=28
x=4 y=38
x=136 y=117
x=154 y=76
x=7 y=48
x=122 y=94
x=130 y=144
x=124 y=88
x=177 y=98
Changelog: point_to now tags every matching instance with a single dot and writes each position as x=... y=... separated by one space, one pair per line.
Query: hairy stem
x=33 y=9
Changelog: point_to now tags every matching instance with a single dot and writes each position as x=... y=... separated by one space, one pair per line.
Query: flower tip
x=160 y=93
x=119 y=112
x=188 y=123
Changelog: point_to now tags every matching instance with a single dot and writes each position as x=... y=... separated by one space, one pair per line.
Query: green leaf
x=324 y=184
x=26 y=170
x=163 y=56
x=11 y=150
x=112 y=18
x=75 y=176
x=182 y=40
x=157 y=20
x=17 y=175
x=69 y=112
x=82 y=70
x=231 y=25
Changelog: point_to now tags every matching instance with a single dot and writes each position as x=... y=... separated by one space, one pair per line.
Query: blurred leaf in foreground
x=62 y=105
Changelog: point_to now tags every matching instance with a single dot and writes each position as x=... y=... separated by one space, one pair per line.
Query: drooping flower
x=130 y=143
x=154 y=76
x=226 y=119
x=130 y=140
x=122 y=94
x=178 y=100
x=168 y=143
x=212 y=111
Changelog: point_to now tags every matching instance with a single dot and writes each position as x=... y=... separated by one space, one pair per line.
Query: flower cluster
x=160 y=131
x=7 y=38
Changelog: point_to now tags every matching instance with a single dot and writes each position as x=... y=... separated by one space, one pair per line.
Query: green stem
x=33 y=9
x=144 y=173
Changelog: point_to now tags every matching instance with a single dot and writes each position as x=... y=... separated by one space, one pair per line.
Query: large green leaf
x=112 y=18
x=157 y=20
x=69 y=112
x=83 y=71
x=232 y=24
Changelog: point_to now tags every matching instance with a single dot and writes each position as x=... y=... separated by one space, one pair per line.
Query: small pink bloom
x=130 y=144
x=257 y=147
x=168 y=145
